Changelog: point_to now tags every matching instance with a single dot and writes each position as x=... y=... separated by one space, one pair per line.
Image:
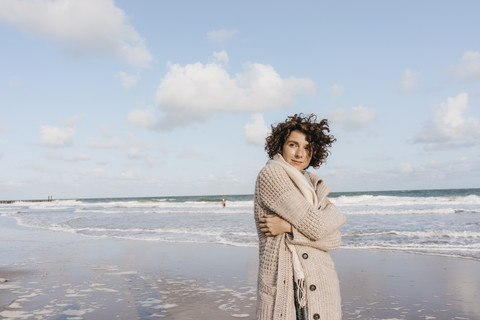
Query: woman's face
x=296 y=151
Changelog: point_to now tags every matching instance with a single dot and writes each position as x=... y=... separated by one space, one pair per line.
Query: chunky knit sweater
x=314 y=233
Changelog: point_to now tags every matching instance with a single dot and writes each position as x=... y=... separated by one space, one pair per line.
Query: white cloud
x=459 y=172
x=71 y=122
x=256 y=131
x=227 y=177
x=128 y=175
x=207 y=179
x=127 y=80
x=405 y=167
x=336 y=91
x=354 y=119
x=142 y=118
x=81 y=27
x=93 y=172
x=77 y=157
x=408 y=81
x=189 y=93
x=450 y=125
x=190 y=154
x=134 y=153
x=35 y=166
x=221 y=57
x=230 y=176
x=59 y=136
x=149 y=161
x=52 y=136
x=221 y=35
x=469 y=67
x=102 y=162
x=435 y=173
x=110 y=144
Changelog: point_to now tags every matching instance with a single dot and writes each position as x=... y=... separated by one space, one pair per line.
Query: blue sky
x=102 y=98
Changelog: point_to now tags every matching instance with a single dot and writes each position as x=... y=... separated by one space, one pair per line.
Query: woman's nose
x=299 y=153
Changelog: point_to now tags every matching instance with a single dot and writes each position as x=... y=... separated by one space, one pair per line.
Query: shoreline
x=67 y=276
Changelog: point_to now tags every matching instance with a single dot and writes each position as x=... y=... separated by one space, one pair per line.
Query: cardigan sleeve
x=330 y=242
x=279 y=194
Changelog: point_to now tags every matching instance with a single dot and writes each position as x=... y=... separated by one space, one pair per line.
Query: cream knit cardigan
x=314 y=233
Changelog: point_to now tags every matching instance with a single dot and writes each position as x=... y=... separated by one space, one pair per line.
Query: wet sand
x=53 y=275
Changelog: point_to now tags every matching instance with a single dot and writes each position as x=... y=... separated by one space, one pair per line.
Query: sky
x=103 y=98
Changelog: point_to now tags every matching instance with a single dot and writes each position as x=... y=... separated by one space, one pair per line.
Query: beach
x=56 y=275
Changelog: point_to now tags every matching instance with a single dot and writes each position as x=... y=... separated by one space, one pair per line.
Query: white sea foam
x=382 y=200
x=420 y=234
x=372 y=210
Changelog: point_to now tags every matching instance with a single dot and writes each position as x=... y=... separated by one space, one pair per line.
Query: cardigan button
x=305 y=256
x=316 y=316
x=313 y=287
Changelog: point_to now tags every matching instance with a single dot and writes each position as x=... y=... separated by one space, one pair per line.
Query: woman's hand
x=273 y=225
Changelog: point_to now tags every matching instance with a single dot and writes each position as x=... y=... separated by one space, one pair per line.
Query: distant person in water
x=297 y=225
x=223 y=203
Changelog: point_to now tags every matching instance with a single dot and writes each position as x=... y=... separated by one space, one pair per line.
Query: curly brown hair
x=316 y=134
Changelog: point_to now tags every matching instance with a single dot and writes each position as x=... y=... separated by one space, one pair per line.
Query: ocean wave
x=406 y=211
x=176 y=210
x=437 y=234
x=445 y=251
x=432 y=222
x=372 y=200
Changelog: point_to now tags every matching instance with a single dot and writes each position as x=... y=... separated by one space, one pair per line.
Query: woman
x=297 y=225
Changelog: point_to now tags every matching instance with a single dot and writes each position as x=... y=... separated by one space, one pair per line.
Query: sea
x=430 y=222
